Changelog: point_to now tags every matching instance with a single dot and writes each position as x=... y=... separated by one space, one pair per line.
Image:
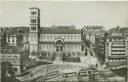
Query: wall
x=14 y=59
x=66 y=37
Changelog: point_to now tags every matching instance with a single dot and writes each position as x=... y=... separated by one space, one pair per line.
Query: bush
x=71 y=59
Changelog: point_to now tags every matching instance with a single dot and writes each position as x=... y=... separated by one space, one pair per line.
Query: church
x=55 y=39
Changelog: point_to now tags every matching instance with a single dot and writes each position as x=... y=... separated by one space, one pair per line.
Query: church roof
x=44 y=30
x=50 y=30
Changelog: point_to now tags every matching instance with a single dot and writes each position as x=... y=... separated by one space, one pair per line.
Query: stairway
x=58 y=57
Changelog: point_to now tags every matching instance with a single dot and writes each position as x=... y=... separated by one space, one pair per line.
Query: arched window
x=15 y=57
x=57 y=48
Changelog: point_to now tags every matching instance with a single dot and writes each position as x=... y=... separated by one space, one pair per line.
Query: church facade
x=53 y=39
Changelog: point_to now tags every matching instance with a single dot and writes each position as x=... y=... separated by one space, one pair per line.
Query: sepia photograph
x=63 y=41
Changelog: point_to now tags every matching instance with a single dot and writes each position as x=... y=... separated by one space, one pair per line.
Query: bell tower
x=34 y=21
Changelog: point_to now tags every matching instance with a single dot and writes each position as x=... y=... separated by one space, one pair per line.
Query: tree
x=87 y=42
x=6 y=71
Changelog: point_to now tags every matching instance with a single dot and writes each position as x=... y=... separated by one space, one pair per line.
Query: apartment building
x=115 y=50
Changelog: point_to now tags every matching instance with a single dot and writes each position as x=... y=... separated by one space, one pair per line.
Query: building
x=115 y=50
x=16 y=57
x=55 y=39
x=100 y=47
x=11 y=39
x=90 y=32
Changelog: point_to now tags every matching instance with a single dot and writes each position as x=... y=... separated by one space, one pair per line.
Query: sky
x=79 y=13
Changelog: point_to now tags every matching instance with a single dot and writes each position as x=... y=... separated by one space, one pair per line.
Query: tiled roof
x=51 y=30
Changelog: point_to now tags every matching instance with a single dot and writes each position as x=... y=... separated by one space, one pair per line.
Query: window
x=13 y=39
x=113 y=40
x=82 y=47
x=13 y=44
x=14 y=61
x=9 y=56
x=33 y=20
x=15 y=57
x=33 y=28
x=33 y=13
x=57 y=48
x=44 y=36
x=51 y=37
x=75 y=46
x=49 y=46
x=3 y=56
x=71 y=36
x=47 y=37
x=71 y=46
x=107 y=39
x=8 y=39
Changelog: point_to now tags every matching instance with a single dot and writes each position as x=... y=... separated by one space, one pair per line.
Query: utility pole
x=127 y=69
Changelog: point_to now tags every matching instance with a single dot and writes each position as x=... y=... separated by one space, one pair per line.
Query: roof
x=51 y=30
x=93 y=27
x=33 y=8
x=44 y=30
x=10 y=50
x=116 y=37
x=17 y=30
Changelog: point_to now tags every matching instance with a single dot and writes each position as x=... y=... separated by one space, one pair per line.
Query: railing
x=49 y=73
